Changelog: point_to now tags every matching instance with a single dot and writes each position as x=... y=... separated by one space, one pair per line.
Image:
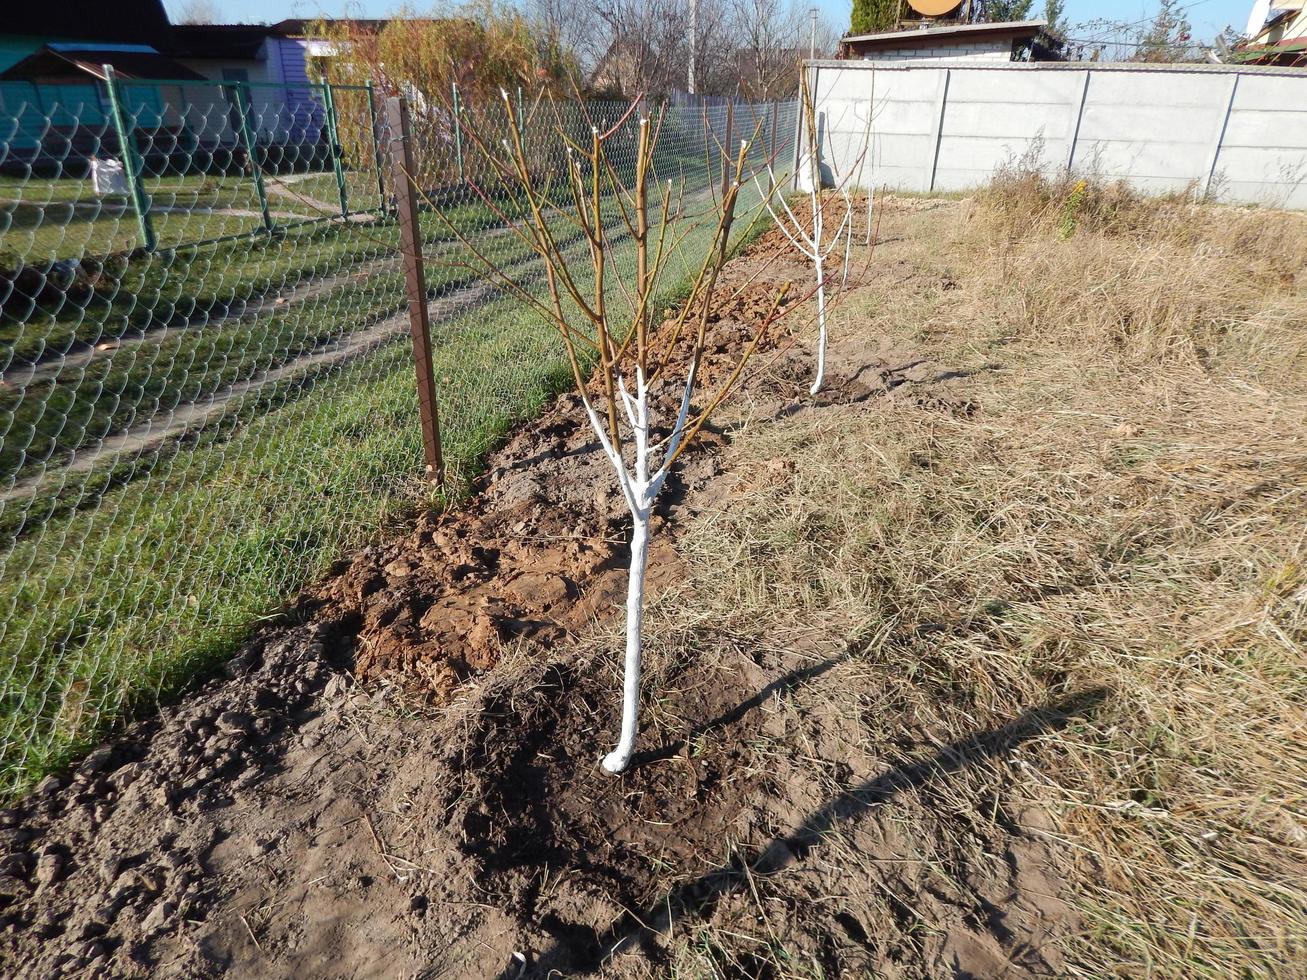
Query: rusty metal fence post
x=410 y=234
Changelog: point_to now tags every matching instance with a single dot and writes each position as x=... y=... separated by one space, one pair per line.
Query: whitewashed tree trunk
x=640 y=489
x=618 y=759
x=871 y=207
x=819 y=262
x=809 y=244
x=818 y=259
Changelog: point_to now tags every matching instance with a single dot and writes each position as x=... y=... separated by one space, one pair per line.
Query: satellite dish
x=934 y=8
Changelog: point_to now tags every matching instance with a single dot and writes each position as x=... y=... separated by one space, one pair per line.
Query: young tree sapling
x=810 y=240
x=633 y=361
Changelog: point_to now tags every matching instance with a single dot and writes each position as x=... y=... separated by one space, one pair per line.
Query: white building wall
x=1238 y=132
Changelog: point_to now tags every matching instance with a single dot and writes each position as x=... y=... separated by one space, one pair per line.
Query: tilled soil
x=404 y=780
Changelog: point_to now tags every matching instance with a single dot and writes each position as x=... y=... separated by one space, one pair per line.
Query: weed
x=1071 y=208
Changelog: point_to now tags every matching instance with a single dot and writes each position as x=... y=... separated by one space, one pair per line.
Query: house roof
x=219 y=40
x=303 y=26
x=953 y=32
x=1289 y=51
x=141 y=63
x=128 y=21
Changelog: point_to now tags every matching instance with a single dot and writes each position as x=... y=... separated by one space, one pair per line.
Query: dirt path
x=196 y=415
x=278 y=186
x=120 y=208
x=304 y=815
x=51 y=368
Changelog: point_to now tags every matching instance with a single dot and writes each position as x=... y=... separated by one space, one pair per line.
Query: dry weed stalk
x=633 y=360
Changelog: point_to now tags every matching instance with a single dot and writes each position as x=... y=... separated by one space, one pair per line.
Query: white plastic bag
x=108 y=177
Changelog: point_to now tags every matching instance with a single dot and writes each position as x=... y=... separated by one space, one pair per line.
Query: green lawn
x=46 y=420
x=46 y=219
x=122 y=295
x=119 y=582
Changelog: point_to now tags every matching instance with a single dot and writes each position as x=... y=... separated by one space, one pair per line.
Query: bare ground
x=403 y=779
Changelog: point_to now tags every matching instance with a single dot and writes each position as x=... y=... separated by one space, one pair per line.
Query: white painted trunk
x=871 y=205
x=640 y=490
x=821 y=322
x=818 y=260
x=618 y=759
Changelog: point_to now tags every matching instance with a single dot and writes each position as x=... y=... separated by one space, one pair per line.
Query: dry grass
x=1126 y=509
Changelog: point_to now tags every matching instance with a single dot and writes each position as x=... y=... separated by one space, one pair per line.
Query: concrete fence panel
x=1233 y=133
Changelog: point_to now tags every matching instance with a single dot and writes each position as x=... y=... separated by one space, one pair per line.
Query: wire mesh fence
x=206 y=373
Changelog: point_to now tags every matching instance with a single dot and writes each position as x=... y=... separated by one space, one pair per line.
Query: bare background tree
x=572 y=28
x=641 y=48
x=749 y=48
x=618 y=49
x=772 y=37
x=1165 y=37
x=195 y=12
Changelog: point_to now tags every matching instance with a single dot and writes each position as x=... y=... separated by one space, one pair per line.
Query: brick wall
x=970 y=51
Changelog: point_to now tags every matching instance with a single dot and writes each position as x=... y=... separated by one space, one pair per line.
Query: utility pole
x=694 y=39
x=812 y=40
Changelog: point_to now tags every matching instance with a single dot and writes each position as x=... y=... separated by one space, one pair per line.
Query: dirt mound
x=107 y=865
x=540 y=551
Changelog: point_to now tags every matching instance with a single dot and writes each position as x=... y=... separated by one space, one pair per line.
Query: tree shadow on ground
x=575 y=954
x=782 y=685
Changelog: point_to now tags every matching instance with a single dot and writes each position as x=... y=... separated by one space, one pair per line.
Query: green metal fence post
x=251 y=151
x=458 y=131
x=521 y=118
x=376 y=148
x=132 y=166
x=333 y=137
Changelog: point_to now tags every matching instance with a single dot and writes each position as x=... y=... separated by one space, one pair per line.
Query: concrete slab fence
x=1236 y=134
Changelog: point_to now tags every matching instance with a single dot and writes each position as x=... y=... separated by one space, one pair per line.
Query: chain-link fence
x=207 y=374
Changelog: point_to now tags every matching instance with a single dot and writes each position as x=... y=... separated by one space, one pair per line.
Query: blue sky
x=1207 y=16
